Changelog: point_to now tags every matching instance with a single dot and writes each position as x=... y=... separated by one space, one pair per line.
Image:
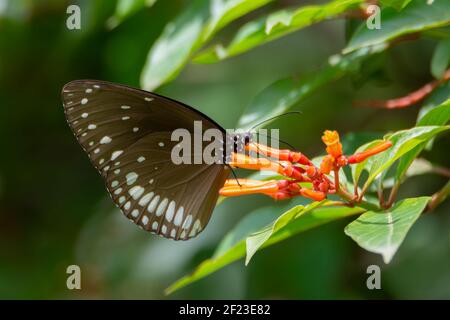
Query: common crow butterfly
x=126 y=133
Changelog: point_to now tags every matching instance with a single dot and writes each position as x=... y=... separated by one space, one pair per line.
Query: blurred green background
x=54 y=210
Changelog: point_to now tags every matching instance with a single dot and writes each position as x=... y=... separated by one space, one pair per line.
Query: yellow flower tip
x=330 y=137
x=334 y=146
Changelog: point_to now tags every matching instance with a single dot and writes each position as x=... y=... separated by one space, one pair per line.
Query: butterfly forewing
x=126 y=133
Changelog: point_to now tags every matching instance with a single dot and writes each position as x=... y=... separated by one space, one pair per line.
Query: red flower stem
x=336 y=179
x=407 y=100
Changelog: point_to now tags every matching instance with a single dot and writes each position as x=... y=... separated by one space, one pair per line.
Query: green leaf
x=402 y=142
x=275 y=25
x=233 y=247
x=358 y=169
x=383 y=232
x=256 y=240
x=126 y=8
x=440 y=59
x=438 y=97
x=173 y=48
x=352 y=140
x=187 y=33
x=283 y=94
x=225 y=11
x=437 y=115
x=397 y=4
x=417 y=16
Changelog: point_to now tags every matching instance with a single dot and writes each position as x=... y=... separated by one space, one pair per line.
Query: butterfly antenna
x=275 y=117
x=286 y=143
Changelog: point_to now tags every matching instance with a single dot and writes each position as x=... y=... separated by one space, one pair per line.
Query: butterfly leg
x=280 y=154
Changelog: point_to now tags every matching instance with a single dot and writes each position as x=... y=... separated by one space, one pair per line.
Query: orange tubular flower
x=327 y=164
x=246 y=186
x=334 y=146
x=361 y=156
x=296 y=168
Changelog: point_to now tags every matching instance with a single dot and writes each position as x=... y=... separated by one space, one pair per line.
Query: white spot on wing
x=170 y=211
x=92 y=126
x=84 y=101
x=144 y=220
x=135 y=213
x=118 y=191
x=131 y=178
x=126 y=118
x=136 y=192
x=115 y=154
x=146 y=199
x=155 y=225
x=187 y=223
x=195 y=228
x=105 y=140
x=84 y=115
x=164 y=229
x=179 y=216
x=141 y=159
x=162 y=207
x=135 y=129
x=125 y=107
x=161 y=144
x=153 y=204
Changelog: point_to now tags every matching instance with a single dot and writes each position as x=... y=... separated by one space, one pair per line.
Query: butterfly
x=126 y=133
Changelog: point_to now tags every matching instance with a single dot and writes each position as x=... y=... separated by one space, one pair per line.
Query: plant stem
x=392 y=195
x=439 y=197
x=380 y=197
x=442 y=171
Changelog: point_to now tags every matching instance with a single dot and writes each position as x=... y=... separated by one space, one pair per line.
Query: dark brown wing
x=174 y=201
x=126 y=133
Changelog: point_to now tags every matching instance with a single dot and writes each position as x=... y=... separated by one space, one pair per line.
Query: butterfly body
x=126 y=133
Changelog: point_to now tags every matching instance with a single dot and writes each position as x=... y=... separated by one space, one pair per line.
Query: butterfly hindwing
x=160 y=197
x=126 y=133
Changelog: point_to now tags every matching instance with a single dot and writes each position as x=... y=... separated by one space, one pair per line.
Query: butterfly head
x=237 y=141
